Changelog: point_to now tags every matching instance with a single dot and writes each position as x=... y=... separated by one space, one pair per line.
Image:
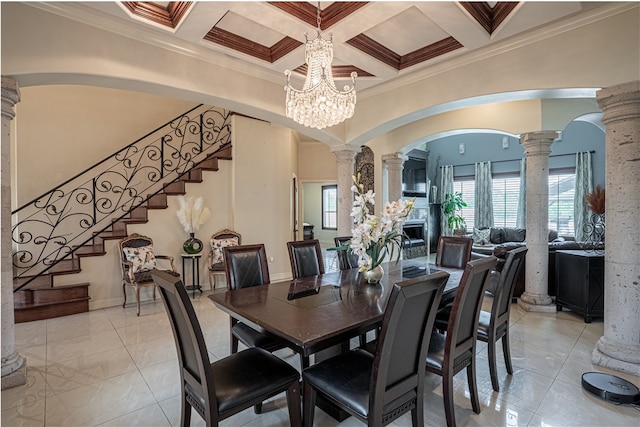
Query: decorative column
x=395 y=164
x=344 y=155
x=537 y=147
x=619 y=348
x=14 y=366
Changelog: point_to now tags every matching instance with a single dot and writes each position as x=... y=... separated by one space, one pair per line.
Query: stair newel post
x=95 y=201
x=201 y=132
x=162 y=142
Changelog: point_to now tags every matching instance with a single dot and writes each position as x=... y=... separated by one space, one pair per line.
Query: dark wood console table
x=580 y=282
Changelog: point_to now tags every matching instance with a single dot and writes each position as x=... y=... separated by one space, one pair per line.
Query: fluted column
x=537 y=147
x=14 y=366
x=395 y=164
x=619 y=348
x=345 y=155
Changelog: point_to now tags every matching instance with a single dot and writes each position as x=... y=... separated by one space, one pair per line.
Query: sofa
x=503 y=239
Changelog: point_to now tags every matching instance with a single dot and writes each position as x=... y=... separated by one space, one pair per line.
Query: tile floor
x=111 y=368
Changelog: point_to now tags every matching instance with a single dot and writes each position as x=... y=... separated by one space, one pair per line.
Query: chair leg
x=506 y=350
x=417 y=413
x=124 y=292
x=293 y=403
x=257 y=409
x=138 y=300
x=304 y=362
x=493 y=369
x=212 y=280
x=308 y=405
x=447 y=393
x=185 y=412
x=473 y=386
x=154 y=292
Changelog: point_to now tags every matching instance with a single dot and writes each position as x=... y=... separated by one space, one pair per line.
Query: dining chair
x=306 y=258
x=378 y=388
x=137 y=259
x=215 y=258
x=246 y=266
x=494 y=325
x=346 y=258
x=227 y=386
x=454 y=350
x=453 y=251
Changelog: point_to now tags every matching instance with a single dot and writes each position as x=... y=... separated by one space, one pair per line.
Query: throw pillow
x=142 y=258
x=218 y=245
x=481 y=236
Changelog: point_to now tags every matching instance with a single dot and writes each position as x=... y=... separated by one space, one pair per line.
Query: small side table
x=195 y=272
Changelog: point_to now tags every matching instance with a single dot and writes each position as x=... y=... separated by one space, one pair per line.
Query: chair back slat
x=346 y=258
x=454 y=252
x=192 y=350
x=513 y=266
x=306 y=258
x=246 y=266
x=463 y=320
x=398 y=367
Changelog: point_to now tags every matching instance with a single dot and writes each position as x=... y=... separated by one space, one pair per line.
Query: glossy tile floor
x=111 y=368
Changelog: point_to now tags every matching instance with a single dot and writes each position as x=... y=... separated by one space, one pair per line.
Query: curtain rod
x=517 y=160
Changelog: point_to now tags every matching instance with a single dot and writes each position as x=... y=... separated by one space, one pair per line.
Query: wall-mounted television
x=414 y=177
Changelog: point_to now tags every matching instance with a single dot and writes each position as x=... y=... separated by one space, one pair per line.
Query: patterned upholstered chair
x=215 y=258
x=137 y=259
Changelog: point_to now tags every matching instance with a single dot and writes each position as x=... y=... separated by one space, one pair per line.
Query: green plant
x=451 y=206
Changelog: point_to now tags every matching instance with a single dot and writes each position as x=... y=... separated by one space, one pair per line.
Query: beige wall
x=64 y=129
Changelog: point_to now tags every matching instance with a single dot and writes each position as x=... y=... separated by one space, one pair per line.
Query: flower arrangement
x=374 y=238
x=192 y=214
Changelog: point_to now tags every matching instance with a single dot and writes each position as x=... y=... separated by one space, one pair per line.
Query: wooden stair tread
x=27 y=306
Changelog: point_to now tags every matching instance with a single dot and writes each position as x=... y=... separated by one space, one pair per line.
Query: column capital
x=10 y=96
x=538 y=143
x=619 y=102
x=345 y=152
x=394 y=159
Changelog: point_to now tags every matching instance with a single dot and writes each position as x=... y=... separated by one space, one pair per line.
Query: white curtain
x=483 y=198
x=521 y=216
x=446 y=186
x=584 y=185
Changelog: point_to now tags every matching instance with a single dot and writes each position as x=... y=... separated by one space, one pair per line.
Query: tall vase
x=373 y=275
x=192 y=245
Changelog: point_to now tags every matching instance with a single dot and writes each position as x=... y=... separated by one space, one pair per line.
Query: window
x=506 y=191
x=466 y=186
x=561 y=190
x=330 y=207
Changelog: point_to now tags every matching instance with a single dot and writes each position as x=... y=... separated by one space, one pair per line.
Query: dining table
x=315 y=313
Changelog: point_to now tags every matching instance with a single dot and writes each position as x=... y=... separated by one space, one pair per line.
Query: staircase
x=36 y=297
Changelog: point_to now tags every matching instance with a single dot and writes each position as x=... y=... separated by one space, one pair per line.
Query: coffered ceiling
x=380 y=40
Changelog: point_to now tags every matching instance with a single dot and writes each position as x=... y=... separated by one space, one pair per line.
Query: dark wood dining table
x=318 y=312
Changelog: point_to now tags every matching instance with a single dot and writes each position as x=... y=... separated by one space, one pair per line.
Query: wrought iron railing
x=52 y=227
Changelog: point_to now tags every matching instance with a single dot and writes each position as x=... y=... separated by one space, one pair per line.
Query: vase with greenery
x=452 y=208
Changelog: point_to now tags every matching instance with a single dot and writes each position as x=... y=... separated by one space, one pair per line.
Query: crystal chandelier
x=319 y=104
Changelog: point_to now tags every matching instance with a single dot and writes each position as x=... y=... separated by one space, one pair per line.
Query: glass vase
x=373 y=275
x=192 y=245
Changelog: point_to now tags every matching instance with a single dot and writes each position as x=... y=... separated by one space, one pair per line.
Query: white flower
x=374 y=238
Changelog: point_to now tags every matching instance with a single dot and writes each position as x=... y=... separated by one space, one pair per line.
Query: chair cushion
x=217 y=246
x=346 y=378
x=252 y=338
x=249 y=374
x=141 y=258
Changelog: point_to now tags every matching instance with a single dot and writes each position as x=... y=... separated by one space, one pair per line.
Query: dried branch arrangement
x=596 y=199
x=192 y=213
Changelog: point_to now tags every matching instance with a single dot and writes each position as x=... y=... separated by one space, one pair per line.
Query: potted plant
x=452 y=207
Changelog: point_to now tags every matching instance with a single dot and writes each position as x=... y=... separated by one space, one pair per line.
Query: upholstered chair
x=137 y=259
x=215 y=258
